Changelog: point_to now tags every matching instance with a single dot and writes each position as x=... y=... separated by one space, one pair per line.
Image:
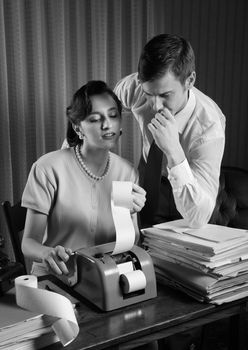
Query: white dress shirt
x=201 y=127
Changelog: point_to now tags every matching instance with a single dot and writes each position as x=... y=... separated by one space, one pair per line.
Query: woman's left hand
x=139 y=198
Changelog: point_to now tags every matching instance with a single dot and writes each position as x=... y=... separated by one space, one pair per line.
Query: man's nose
x=157 y=103
x=106 y=123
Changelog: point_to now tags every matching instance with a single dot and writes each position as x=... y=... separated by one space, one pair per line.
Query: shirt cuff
x=180 y=175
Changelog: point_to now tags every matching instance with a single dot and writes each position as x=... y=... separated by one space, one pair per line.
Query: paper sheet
x=209 y=232
x=179 y=226
x=217 y=233
x=30 y=297
x=121 y=204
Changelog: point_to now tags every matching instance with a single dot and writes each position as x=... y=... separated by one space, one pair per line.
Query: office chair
x=231 y=207
x=15 y=216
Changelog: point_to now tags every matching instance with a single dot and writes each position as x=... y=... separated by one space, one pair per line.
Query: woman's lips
x=108 y=135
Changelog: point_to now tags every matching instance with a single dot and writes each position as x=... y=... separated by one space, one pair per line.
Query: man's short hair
x=166 y=53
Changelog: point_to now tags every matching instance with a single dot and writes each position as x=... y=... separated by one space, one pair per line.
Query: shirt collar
x=183 y=116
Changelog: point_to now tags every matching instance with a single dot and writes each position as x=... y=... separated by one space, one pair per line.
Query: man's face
x=168 y=92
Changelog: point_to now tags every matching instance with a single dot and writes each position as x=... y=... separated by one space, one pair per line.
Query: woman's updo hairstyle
x=81 y=106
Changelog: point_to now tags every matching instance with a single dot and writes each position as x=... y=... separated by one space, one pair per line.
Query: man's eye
x=113 y=116
x=166 y=96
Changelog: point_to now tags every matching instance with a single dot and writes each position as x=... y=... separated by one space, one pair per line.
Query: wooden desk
x=171 y=312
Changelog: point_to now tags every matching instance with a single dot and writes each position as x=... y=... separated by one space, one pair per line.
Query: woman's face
x=101 y=128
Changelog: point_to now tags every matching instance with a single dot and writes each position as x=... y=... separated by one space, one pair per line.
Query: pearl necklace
x=86 y=169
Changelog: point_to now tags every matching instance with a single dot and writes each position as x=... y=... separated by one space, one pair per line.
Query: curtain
x=49 y=48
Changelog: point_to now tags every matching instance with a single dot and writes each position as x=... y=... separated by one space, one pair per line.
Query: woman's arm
x=32 y=247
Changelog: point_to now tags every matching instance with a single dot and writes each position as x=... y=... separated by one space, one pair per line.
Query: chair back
x=15 y=216
x=231 y=207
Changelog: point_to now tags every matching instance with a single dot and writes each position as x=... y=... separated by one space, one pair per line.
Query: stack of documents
x=210 y=263
x=21 y=329
x=25 y=330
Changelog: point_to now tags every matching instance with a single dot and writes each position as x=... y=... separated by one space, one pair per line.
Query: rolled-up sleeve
x=195 y=181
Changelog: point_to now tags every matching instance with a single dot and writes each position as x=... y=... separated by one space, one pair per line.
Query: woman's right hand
x=139 y=198
x=56 y=258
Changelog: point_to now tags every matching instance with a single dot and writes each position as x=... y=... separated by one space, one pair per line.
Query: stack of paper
x=210 y=263
x=22 y=329
x=25 y=330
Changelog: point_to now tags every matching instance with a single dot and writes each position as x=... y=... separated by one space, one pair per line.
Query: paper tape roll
x=132 y=281
x=30 y=297
x=121 y=203
x=125 y=267
x=122 y=194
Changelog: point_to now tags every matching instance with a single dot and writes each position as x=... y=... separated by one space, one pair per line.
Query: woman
x=68 y=192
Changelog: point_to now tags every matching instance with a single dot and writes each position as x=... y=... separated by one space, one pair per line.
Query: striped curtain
x=49 y=48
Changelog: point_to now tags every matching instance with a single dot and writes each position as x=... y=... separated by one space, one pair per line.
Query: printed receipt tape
x=121 y=203
x=30 y=297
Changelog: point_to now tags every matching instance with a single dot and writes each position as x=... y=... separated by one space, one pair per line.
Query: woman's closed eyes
x=99 y=117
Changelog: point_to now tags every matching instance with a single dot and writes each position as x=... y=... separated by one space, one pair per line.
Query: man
x=186 y=125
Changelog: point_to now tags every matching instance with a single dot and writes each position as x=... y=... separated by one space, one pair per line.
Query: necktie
x=151 y=184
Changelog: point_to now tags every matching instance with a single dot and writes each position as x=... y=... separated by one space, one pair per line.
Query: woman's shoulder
x=116 y=159
x=54 y=158
x=122 y=167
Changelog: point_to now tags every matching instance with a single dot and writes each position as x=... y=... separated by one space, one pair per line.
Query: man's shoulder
x=130 y=80
x=207 y=111
x=129 y=90
x=205 y=101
